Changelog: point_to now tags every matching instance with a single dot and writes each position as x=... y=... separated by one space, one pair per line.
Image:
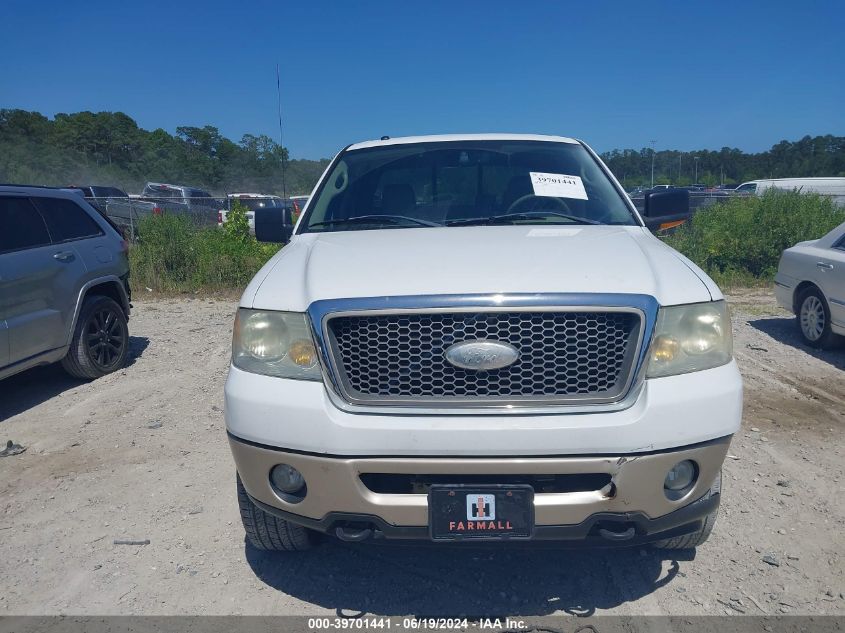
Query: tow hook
x=617 y=536
x=353 y=535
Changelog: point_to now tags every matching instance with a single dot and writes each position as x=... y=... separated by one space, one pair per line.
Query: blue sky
x=688 y=75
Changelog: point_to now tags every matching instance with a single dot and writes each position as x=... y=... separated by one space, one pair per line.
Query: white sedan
x=811 y=284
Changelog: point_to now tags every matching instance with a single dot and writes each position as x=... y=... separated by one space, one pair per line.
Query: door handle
x=824 y=266
x=64 y=256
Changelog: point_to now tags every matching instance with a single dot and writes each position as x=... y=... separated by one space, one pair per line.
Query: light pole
x=696 y=170
x=652 y=164
x=679 y=167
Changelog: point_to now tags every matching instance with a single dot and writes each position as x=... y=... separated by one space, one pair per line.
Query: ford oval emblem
x=481 y=355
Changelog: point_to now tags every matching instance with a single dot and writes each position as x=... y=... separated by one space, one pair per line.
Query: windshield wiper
x=523 y=215
x=375 y=219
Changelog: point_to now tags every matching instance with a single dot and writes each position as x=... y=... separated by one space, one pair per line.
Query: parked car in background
x=255 y=204
x=810 y=283
x=97 y=195
x=196 y=203
x=64 y=284
x=834 y=187
x=123 y=210
x=475 y=337
x=253 y=201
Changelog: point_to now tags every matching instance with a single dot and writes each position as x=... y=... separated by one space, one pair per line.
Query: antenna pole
x=281 y=137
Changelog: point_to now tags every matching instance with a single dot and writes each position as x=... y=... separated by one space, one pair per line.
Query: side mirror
x=669 y=202
x=273 y=224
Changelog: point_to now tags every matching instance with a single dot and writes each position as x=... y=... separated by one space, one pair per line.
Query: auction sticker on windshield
x=558 y=185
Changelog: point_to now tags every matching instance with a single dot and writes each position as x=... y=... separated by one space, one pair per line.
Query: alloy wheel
x=105 y=337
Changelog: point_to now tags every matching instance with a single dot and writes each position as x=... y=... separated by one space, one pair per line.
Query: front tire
x=100 y=343
x=688 y=541
x=267 y=532
x=813 y=318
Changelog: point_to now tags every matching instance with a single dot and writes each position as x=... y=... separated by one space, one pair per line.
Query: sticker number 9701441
x=558 y=185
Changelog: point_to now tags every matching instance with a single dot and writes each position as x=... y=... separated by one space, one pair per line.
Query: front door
x=39 y=281
x=831 y=278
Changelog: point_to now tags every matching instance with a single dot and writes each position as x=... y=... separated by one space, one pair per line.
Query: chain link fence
x=127 y=211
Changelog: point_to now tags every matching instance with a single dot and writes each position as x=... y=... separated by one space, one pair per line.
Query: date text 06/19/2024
x=414 y=624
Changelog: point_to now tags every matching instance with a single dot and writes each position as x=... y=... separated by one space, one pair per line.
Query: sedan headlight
x=274 y=344
x=690 y=338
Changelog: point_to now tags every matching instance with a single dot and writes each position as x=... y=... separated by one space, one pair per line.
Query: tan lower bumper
x=334 y=485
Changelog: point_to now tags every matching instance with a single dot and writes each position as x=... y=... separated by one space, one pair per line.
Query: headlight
x=690 y=338
x=274 y=344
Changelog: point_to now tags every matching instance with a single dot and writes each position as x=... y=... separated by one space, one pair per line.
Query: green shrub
x=174 y=255
x=739 y=241
x=237 y=224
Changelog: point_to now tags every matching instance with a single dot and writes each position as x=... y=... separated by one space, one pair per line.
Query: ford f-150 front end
x=474 y=337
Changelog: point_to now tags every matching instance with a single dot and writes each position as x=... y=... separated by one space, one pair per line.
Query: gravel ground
x=142 y=454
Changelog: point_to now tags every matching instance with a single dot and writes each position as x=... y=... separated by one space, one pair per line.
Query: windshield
x=460 y=183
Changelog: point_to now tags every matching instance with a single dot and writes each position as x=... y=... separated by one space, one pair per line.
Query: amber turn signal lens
x=665 y=349
x=302 y=353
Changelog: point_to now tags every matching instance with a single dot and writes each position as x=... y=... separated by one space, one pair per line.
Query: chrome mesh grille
x=572 y=355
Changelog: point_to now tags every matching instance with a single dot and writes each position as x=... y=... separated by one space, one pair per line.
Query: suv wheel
x=267 y=532
x=814 y=319
x=100 y=341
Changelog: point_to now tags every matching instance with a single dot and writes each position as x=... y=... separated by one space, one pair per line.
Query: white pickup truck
x=474 y=338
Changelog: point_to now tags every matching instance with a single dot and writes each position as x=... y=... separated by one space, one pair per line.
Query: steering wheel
x=514 y=207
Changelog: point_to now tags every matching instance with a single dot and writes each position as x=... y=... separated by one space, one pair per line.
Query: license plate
x=478 y=513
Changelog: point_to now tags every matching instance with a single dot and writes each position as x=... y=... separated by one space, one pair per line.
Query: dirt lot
x=142 y=455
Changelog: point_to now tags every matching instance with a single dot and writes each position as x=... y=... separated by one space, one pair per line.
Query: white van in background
x=832 y=187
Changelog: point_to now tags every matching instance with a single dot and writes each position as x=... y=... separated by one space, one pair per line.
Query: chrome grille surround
x=540 y=308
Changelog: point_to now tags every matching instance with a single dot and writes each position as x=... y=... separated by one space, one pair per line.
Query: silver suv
x=64 y=284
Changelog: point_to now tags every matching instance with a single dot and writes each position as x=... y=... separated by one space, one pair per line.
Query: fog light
x=681 y=476
x=287 y=479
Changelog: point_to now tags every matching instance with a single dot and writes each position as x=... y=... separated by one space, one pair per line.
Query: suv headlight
x=274 y=344
x=690 y=338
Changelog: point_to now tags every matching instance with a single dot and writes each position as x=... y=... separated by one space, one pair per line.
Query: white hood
x=476 y=260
